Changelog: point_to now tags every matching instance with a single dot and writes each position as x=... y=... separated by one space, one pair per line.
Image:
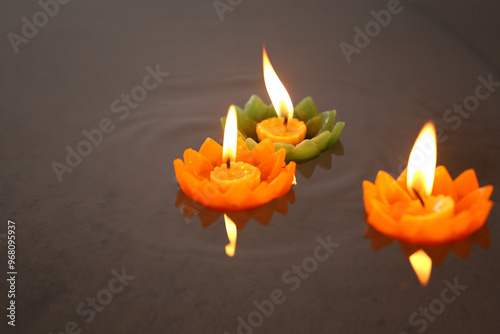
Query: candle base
x=238 y=173
x=278 y=132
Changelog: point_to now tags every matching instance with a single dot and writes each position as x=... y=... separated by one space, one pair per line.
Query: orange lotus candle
x=425 y=205
x=283 y=128
x=233 y=177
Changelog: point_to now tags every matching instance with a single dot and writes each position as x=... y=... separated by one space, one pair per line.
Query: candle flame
x=422 y=163
x=422 y=265
x=294 y=182
x=277 y=92
x=230 y=136
x=231 y=235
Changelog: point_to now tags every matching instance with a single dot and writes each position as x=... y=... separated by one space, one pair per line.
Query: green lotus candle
x=284 y=128
x=302 y=131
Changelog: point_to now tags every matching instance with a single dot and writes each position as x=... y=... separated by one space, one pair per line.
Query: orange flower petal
x=379 y=219
x=262 y=150
x=478 y=195
x=466 y=183
x=212 y=151
x=369 y=194
x=272 y=165
x=389 y=191
x=443 y=183
x=197 y=164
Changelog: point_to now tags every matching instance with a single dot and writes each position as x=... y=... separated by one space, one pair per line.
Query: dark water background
x=116 y=208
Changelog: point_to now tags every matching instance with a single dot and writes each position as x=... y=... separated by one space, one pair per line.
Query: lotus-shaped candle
x=234 y=178
x=425 y=205
x=321 y=130
x=302 y=131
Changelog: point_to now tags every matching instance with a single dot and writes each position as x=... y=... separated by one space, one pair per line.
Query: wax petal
x=306 y=149
x=322 y=140
x=459 y=226
x=288 y=147
x=179 y=168
x=256 y=109
x=480 y=213
x=337 y=129
x=245 y=124
x=443 y=183
x=389 y=191
x=250 y=143
x=197 y=164
x=305 y=109
x=212 y=151
x=379 y=219
x=237 y=195
x=264 y=149
x=369 y=193
x=478 y=195
x=402 y=178
x=243 y=153
x=466 y=183
x=320 y=123
x=272 y=166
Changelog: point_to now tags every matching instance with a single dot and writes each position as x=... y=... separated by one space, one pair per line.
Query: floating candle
x=284 y=128
x=424 y=205
x=237 y=180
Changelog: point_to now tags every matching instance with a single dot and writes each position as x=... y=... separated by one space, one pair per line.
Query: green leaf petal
x=337 y=129
x=305 y=150
x=245 y=124
x=250 y=143
x=320 y=123
x=256 y=109
x=305 y=109
x=288 y=147
x=322 y=140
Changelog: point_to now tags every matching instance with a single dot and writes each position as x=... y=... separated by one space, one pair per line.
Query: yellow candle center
x=275 y=129
x=238 y=172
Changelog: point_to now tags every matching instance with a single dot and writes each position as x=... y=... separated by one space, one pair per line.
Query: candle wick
x=419 y=197
x=228 y=163
x=285 y=122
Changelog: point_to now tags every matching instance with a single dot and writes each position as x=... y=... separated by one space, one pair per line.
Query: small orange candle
x=283 y=128
x=425 y=205
x=234 y=178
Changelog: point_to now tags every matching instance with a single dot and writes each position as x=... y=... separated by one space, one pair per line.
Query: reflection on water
x=324 y=160
x=234 y=221
x=436 y=253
